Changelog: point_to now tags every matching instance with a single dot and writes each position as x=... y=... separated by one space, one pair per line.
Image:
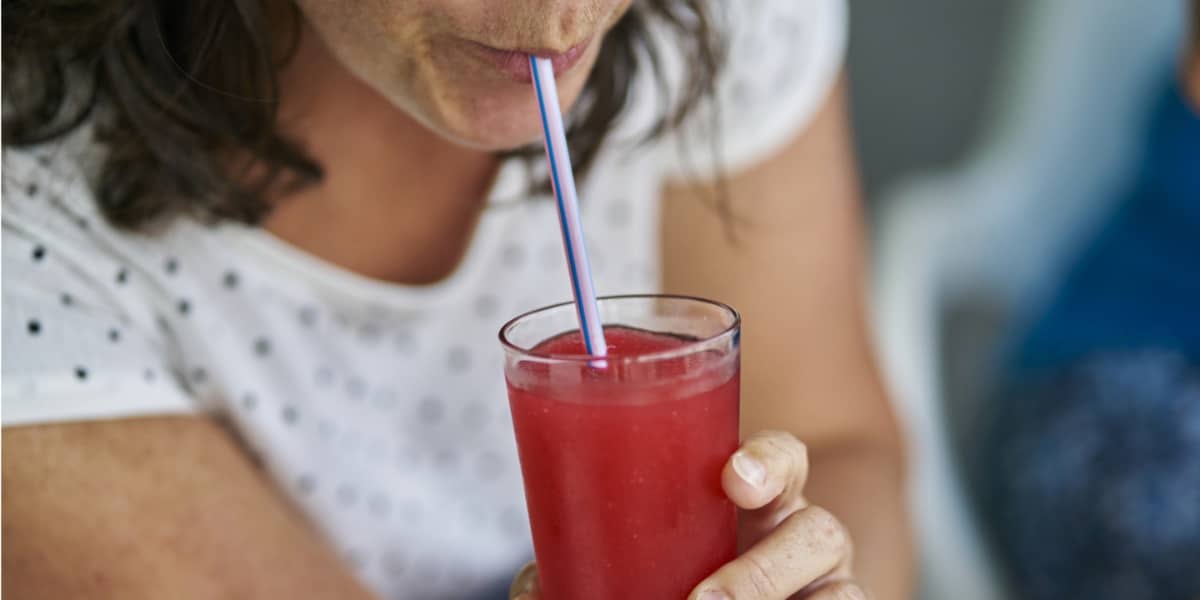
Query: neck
x=397 y=202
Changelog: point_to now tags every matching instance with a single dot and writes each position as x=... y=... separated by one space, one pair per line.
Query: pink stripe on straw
x=563 y=181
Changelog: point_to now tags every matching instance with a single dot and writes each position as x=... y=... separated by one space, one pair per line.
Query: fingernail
x=750 y=470
x=714 y=595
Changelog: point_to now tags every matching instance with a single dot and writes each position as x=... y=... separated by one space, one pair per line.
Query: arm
x=152 y=508
x=796 y=274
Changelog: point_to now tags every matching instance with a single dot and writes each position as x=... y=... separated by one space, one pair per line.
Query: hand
x=791 y=549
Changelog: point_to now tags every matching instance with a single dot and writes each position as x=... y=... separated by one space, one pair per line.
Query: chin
x=493 y=128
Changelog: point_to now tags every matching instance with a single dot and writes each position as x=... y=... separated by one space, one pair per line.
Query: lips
x=514 y=63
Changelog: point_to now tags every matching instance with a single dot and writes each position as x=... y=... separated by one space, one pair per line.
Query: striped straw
x=563 y=181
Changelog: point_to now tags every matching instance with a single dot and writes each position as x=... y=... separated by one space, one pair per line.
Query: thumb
x=525 y=585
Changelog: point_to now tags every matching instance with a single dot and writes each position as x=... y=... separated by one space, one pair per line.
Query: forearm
x=152 y=508
x=863 y=485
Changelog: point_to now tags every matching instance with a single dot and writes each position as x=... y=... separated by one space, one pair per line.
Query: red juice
x=622 y=465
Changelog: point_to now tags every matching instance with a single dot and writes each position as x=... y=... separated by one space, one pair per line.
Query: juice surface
x=622 y=467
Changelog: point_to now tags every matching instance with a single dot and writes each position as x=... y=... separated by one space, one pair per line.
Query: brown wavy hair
x=175 y=87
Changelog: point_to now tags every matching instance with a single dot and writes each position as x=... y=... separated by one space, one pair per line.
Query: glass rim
x=687 y=348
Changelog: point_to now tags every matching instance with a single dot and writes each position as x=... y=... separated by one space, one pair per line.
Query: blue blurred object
x=1091 y=477
x=1089 y=461
x=1138 y=283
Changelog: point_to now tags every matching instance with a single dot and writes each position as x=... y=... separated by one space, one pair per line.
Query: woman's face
x=459 y=66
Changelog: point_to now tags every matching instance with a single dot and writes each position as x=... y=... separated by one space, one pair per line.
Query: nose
x=566 y=23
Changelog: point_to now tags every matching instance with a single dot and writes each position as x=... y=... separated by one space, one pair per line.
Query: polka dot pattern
x=487 y=305
x=370 y=332
x=431 y=410
x=356 y=388
x=379 y=505
x=323 y=377
x=394 y=563
x=406 y=342
x=513 y=256
x=199 y=376
x=347 y=495
x=306 y=484
x=619 y=214
x=459 y=359
x=446 y=459
x=391 y=412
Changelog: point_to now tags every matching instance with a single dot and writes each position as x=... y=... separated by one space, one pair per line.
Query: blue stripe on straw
x=562 y=213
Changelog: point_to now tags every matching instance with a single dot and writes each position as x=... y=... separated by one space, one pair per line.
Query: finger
x=808 y=545
x=525 y=585
x=837 y=590
x=770 y=465
x=779 y=462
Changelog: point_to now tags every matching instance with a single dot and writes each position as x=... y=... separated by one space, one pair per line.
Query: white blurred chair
x=1059 y=143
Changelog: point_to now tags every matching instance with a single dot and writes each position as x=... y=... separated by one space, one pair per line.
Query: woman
x=256 y=254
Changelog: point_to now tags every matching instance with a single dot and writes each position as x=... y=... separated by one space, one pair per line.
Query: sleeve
x=74 y=347
x=783 y=60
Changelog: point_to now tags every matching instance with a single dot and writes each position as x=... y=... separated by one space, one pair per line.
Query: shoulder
x=54 y=233
x=783 y=59
x=56 y=238
x=79 y=334
x=48 y=187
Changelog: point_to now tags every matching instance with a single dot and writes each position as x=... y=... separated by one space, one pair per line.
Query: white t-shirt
x=379 y=409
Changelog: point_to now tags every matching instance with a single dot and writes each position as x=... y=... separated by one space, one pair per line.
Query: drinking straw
x=563 y=182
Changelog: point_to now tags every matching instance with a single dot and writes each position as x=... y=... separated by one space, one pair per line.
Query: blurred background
x=921 y=74
x=996 y=138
